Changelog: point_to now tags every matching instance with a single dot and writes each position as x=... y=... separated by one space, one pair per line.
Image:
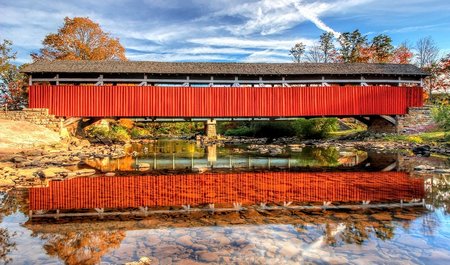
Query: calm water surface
x=269 y=212
x=178 y=155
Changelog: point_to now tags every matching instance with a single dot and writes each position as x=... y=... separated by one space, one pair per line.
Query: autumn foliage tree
x=80 y=39
x=402 y=54
x=354 y=47
x=382 y=48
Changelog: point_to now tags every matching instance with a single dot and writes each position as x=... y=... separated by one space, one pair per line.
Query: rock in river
x=85 y=172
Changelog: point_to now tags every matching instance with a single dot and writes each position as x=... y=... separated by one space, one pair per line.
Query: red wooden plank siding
x=248 y=188
x=134 y=101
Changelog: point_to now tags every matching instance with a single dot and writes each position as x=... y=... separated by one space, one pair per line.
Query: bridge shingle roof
x=151 y=67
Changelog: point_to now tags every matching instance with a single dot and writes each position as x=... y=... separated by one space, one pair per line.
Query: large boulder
x=19 y=135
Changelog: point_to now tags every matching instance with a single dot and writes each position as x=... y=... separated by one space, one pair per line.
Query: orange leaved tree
x=80 y=39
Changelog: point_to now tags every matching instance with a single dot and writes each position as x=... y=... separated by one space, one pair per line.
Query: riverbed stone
x=19 y=159
x=185 y=240
x=143 y=165
x=424 y=167
x=208 y=256
x=405 y=216
x=84 y=172
x=442 y=170
x=382 y=216
x=52 y=172
x=289 y=251
x=7 y=182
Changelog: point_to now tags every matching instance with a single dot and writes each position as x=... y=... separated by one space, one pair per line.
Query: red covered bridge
x=189 y=91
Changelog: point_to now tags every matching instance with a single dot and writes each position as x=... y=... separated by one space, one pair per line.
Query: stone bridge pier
x=418 y=119
x=211 y=128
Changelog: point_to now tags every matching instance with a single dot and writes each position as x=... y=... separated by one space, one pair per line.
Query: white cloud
x=211 y=50
x=268 y=56
x=268 y=17
x=275 y=44
x=174 y=57
x=248 y=30
x=415 y=28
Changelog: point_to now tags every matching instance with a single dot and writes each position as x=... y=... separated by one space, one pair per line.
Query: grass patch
x=433 y=136
x=346 y=132
x=420 y=138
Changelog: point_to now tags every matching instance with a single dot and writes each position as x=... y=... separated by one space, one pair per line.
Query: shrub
x=119 y=134
x=415 y=139
x=274 y=129
x=316 y=128
x=447 y=136
x=240 y=131
x=174 y=128
x=441 y=114
x=137 y=133
x=98 y=132
x=127 y=123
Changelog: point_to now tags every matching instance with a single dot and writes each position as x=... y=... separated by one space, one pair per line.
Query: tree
x=13 y=89
x=80 y=39
x=314 y=54
x=351 y=46
x=323 y=51
x=431 y=81
x=327 y=47
x=442 y=82
x=6 y=55
x=427 y=52
x=402 y=54
x=382 y=48
x=297 y=52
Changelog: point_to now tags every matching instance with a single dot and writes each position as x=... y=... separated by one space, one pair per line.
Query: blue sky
x=224 y=30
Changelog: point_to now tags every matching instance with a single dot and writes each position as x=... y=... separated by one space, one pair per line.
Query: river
x=180 y=202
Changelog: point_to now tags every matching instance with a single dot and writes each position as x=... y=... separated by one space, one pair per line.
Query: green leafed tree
x=327 y=47
x=352 y=43
x=297 y=52
x=13 y=89
x=382 y=49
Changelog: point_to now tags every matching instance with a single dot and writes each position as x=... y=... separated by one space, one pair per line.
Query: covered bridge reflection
x=225 y=189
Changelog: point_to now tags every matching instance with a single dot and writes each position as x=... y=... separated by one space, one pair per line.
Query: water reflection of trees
x=10 y=202
x=81 y=247
x=318 y=157
x=357 y=232
x=168 y=147
x=437 y=188
x=438 y=191
x=6 y=245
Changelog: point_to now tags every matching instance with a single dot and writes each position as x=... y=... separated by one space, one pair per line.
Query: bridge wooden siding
x=247 y=188
x=216 y=102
